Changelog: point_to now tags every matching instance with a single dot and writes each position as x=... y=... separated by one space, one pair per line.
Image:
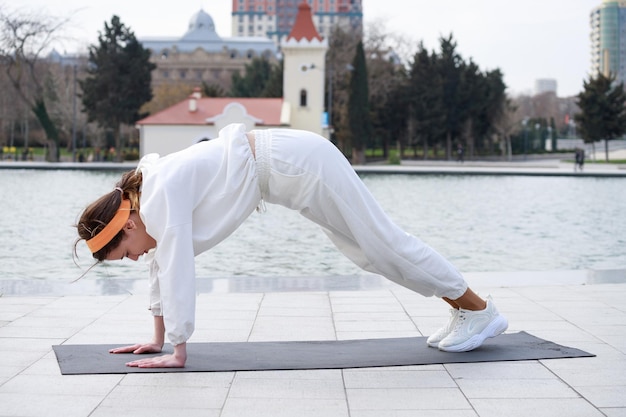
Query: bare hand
x=138 y=348
x=165 y=361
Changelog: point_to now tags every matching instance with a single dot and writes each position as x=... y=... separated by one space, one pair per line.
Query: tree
x=23 y=40
x=504 y=125
x=603 y=115
x=387 y=83
x=212 y=90
x=261 y=79
x=450 y=67
x=426 y=99
x=487 y=104
x=118 y=81
x=166 y=95
x=358 y=107
x=338 y=67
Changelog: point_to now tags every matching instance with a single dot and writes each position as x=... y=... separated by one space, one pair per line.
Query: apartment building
x=274 y=18
x=608 y=39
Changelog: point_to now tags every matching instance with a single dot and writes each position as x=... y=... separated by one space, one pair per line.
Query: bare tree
x=504 y=125
x=24 y=38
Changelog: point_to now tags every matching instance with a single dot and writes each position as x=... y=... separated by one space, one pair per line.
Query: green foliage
x=41 y=112
x=603 y=115
x=358 y=102
x=119 y=77
x=453 y=100
x=426 y=98
x=394 y=158
x=212 y=90
x=274 y=85
x=261 y=79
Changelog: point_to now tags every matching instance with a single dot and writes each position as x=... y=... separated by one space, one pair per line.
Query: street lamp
x=525 y=123
x=329 y=98
x=537 y=135
x=74 y=119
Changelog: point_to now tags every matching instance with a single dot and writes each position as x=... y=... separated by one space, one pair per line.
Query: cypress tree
x=358 y=107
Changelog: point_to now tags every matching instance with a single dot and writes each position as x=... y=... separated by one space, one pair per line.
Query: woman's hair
x=99 y=213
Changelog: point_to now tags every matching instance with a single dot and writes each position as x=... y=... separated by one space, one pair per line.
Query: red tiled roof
x=303 y=27
x=266 y=109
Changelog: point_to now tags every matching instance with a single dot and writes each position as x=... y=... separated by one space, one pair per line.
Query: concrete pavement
x=582 y=309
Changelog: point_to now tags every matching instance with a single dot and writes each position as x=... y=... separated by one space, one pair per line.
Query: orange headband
x=110 y=230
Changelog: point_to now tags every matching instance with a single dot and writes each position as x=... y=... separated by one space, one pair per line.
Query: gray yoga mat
x=332 y=354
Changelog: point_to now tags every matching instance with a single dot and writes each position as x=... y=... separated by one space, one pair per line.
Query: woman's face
x=136 y=240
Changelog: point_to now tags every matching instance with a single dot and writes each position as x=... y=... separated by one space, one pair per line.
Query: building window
x=166 y=74
x=183 y=74
x=303 y=98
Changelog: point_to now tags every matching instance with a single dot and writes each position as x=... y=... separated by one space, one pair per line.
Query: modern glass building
x=608 y=39
x=274 y=18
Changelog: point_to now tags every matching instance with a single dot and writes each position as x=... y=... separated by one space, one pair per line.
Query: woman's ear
x=130 y=224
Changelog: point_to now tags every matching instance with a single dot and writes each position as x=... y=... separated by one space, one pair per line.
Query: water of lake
x=481 y=223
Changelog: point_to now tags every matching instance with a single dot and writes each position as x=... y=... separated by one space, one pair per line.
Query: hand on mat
x=138 y=348
x=165 y=361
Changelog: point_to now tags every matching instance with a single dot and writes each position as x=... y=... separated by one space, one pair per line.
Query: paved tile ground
x=568 y=309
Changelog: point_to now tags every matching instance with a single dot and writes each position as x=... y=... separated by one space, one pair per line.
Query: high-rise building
x=608 y=39
x=545 y=85
x=274 y=18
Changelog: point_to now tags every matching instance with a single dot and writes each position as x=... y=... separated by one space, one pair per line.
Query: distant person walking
x=580 y=159
x=460 y=151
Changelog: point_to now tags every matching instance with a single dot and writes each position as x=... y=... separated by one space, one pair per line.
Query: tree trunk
x=509 y=148
x=449 y=146
x=358 y=156
x=606 y=149
x=52 y=134
x=52 y=154
x=117 y=134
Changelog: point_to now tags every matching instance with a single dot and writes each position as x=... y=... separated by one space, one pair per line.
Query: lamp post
x=74 y=120
x=525 y=123
x=552 y=142
x=329 y=105
x=537 y=135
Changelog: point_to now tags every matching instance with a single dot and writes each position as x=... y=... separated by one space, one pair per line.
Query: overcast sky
x=526 y=40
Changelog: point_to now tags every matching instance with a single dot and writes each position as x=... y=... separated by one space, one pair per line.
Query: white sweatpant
x=193 y=199
x=305 y=172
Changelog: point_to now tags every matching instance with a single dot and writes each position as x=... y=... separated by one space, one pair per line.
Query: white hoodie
x=190 y=201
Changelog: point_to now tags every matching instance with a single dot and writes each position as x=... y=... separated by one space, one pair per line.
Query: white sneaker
x=439 y=335
x=473 y=327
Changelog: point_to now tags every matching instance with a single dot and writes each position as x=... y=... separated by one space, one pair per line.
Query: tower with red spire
x=304 y=52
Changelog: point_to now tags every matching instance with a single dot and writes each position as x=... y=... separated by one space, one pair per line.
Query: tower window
x=303 y=98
